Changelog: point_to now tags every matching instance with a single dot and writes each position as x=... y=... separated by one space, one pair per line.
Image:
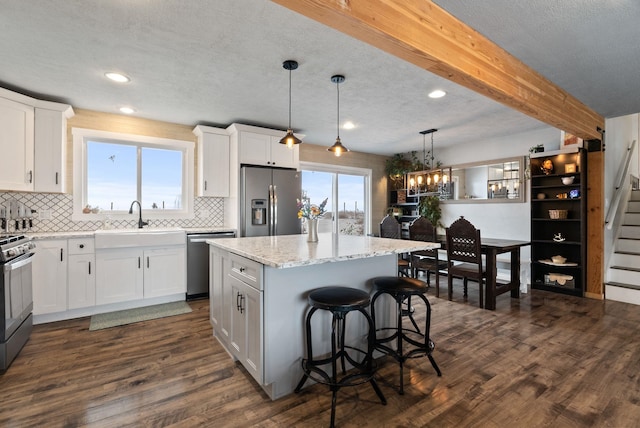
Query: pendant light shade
x=337 y=147
x=289 y=139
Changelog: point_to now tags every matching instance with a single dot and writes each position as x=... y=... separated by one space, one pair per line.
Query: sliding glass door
x=347 y=189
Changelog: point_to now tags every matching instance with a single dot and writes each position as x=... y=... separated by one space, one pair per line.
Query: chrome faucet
x=140 y=222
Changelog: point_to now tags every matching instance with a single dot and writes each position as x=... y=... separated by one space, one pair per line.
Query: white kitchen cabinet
x=50 y=148
x=50 y=276
x=213 y=161
x=265 y=149
x=219 y=312
x=82 y=273
x=16 y=145
x=165 y=271
x=119 y=275
x=236 y=305
x=125 y=274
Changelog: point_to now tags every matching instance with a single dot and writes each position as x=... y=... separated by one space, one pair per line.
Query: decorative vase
x=312 y=230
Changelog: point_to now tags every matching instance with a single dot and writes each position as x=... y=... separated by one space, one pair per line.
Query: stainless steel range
x=16 y=298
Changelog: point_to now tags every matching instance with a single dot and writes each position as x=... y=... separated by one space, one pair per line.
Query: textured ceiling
x=219 y=62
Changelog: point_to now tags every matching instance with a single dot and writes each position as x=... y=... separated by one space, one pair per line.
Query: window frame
x=349 y=170
x=80 y=138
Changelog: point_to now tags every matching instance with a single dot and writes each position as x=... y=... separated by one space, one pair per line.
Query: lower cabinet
x=50 y=276
x=236 y=308
x=245 y=326
x=81 y=274
x=119 y=276
x=125 y=274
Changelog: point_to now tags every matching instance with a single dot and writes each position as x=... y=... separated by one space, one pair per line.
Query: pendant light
x=337 y=147
x=289 y=139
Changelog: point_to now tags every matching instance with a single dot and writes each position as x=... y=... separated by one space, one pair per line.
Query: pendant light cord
x=338 y=115
x=289 y=98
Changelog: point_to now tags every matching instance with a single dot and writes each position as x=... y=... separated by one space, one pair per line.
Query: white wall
x=498 y=220
x=620 y=132
x=507 y=220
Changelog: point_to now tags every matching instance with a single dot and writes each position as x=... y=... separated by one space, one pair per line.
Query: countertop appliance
x=16 y=298
x=268 y=203
x=198 y=262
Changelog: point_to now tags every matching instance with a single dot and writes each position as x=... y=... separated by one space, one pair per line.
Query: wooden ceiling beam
x=421 y=32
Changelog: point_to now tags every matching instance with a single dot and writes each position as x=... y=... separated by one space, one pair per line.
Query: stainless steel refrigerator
x=269 y=201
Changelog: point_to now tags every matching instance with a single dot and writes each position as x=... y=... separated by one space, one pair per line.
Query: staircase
x=623 y=283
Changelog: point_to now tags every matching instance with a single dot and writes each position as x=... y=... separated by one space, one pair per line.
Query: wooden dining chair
x=464 y=256
x=390 y=228
x=427 y=261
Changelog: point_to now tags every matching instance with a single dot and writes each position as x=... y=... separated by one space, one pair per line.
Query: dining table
x=491 y=247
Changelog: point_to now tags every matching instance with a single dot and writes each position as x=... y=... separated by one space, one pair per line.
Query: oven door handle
x=18 y=262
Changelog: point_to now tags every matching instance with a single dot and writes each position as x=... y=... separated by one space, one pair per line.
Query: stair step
x=630 y=231
x=631 y=219
x=627 y=245
x=624 y=259
x=635 y=195
x=623 y=285
x=623 y=275
x=621 y=292
x=629 y=268
x=633 y=207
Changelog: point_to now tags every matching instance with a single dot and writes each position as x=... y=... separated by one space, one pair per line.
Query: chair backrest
x=390 y=228
x=421 y=229
x=463 y=242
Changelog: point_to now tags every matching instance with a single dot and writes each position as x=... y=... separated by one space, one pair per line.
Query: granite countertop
x=287 y=251
x=90 y=233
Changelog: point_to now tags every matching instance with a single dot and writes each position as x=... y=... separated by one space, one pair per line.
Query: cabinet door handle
x=147 y=262
x=238 y=301
x=56 y=178
x=138 y=262
x=241 y=303
x=61 y=254
x=205 y=185
x=31 y=176
x=89 y=268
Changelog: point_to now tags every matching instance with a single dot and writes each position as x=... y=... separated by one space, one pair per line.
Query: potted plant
x=398 y=165
x=429 y=208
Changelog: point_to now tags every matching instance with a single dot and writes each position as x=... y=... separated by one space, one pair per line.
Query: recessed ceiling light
x=127 y=110
x=117 y=77
x=349 y=125
x=438 y=93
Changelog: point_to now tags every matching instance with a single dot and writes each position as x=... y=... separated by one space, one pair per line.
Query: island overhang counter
x=259 y=287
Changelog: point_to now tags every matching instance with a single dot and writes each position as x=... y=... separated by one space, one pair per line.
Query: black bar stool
x=340 y=301
x=418 y=343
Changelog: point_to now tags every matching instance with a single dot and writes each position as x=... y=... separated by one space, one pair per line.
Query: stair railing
x=617 y=194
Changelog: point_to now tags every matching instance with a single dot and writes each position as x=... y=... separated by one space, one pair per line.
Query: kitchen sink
x=122 y=238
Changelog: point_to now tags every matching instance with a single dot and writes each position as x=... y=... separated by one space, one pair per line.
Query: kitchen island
x=258 y=295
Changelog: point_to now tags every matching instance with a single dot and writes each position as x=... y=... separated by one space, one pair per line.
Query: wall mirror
x=497 y=181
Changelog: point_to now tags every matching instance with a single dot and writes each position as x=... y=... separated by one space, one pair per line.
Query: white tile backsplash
x=53 y=214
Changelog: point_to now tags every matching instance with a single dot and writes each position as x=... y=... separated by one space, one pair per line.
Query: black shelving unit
x=559 y=236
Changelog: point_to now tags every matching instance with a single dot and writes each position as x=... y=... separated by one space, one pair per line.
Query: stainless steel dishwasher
x=198 y=262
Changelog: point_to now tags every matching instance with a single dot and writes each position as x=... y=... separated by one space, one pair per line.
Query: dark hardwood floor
x=543 y=360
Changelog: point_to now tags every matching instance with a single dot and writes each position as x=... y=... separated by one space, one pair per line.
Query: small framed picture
x=570 y=168
x=569 y=140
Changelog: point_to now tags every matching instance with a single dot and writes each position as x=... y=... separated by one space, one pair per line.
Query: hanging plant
x=429 y=208
x=398 y=165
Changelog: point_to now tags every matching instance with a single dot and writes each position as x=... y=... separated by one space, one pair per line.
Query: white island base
x=259 y=300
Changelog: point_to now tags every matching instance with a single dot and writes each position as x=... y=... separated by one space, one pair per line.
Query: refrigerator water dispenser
x=258 y=211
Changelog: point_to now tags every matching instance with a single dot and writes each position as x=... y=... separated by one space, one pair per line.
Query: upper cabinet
x=51 y=148
x=261 y=146
x=16 y=145
x=213 y=161
x=33 y=137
